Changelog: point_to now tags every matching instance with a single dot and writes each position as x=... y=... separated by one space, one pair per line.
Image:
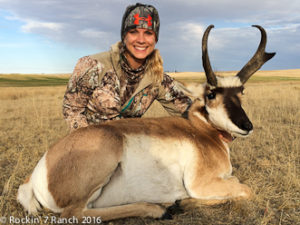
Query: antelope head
x=222 y=95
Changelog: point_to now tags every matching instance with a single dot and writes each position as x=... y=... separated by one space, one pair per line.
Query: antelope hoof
x=166 y=216
x=172 y=210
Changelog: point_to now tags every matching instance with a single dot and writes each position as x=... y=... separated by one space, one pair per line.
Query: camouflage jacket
x=93 y=92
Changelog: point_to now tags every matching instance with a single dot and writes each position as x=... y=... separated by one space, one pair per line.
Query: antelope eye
x=211 y=96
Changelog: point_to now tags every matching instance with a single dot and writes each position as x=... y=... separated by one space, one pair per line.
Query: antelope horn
x=259 y=58
x=210 y=75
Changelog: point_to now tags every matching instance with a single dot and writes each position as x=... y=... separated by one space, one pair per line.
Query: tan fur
x=84 y=163
x=141 y=209
x=77 y=158
x=71 y=160
x=218 y=101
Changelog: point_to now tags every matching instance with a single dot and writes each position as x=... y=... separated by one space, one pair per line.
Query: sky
x=49 y=36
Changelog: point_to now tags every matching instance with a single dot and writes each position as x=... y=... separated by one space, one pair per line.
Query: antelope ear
x=258 y=60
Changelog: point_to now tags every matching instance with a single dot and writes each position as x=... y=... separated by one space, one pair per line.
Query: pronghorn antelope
x=136 y=167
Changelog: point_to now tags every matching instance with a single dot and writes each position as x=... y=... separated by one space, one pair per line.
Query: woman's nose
x=141 y=38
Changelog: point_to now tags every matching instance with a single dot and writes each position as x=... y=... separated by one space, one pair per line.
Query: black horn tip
x=205 y=36
x=269 y=55
x=260 y=28
x=209 y=28
x=257 y=26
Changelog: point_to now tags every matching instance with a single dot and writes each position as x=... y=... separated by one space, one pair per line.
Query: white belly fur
x=40 y=186
x=151 y=170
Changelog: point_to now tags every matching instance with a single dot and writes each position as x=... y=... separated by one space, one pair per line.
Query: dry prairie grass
x=268 y=161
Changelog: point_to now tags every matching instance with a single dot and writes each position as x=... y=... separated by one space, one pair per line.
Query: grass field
x=268 y=161
x=36 y=80
x=260 y=76
x=20 y=80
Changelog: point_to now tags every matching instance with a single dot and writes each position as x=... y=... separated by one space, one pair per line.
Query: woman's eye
x=148 y=32
x=132 y=31
x=211 y=96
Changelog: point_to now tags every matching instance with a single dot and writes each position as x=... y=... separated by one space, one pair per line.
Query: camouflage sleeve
x=172 y=98
x=106 y=100
x=83 y=81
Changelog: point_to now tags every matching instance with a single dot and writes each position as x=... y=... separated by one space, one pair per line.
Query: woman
x=125 y=81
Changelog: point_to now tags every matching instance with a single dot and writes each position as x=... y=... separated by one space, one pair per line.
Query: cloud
x=32 y=26
x=191 y=32
x=96 y=24
x=97 y=37
x=90 y=33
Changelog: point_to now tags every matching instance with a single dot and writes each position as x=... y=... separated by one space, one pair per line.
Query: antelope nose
x=247 y=126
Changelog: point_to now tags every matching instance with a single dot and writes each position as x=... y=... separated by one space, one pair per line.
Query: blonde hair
x=155 y=66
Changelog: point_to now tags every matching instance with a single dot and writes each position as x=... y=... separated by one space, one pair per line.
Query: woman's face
x=140 y=43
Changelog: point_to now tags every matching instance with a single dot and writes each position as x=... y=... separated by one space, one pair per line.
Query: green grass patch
x=30 y=80
x=16 y=80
